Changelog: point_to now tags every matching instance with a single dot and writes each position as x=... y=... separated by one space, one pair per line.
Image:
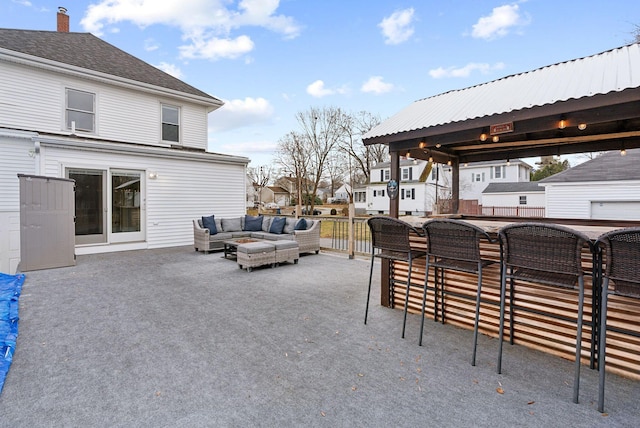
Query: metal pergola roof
x=583 y=105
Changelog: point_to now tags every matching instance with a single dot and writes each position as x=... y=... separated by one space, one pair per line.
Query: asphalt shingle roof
x=87 y=51
x=610 y=166
x=523 y=186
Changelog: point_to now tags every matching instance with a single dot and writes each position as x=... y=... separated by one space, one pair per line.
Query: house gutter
x=158 y=152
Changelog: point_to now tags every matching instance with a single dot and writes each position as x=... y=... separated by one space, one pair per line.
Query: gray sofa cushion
x=266 y=223
x=290 y=225
x=232 y=224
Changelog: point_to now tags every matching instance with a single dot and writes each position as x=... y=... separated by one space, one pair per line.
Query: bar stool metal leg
x=602 y=345
x=369 y=290
x=477 y=321
x=406 y=299
x=576 y=376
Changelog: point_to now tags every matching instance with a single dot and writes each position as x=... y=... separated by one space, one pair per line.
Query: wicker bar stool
x=622 y=271
x=390 y=237
x=455 y=245
x=546 y=254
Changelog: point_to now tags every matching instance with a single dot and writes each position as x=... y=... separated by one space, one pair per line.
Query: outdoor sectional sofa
x=252 y=227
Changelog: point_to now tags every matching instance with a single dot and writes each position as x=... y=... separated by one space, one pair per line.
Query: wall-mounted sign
x=392 y=189
x=501 y=128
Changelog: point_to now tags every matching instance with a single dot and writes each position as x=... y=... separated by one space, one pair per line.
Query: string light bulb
x=449 y=162
x=562 y=124
x=582 y=126
x=496 y=138
x=623 y=152
x=483 y=137
x=421 y=145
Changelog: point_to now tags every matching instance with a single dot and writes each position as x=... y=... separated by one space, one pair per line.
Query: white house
x=607 y=187
x=419 y=179
x=523 y=199
x=475 y=177
x=132 y=137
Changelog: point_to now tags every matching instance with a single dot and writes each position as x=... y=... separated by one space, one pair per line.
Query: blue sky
x=269 y=59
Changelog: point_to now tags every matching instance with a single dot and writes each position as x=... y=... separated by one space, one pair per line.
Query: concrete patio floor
x=172 y=337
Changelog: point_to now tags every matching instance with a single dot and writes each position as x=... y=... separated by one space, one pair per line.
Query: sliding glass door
x=126 y=203
x=109 y=205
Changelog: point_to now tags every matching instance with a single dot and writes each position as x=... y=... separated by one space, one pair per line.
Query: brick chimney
x=63 y=20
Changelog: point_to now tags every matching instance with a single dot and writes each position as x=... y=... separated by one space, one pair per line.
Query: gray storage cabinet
x=47 y=224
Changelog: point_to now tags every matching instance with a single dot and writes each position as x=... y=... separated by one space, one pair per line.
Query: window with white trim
x=387 y=174
x=170 y=123
x=523 y=200
x=80 y=110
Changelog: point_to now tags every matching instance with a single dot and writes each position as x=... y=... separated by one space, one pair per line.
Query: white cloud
x=397 y=27
x=465 y=71
x=150 y=45
x=206 y=25
x=376 y=85
x=240 y=113
x=318 y=90
x=215 y=48
x=170 y=69
x=498 y=24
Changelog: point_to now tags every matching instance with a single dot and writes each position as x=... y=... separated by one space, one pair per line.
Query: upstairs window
x=387 y=174
x=170 y=123
x=80 y=110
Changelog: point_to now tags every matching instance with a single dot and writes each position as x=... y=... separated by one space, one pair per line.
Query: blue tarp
x=10 y=287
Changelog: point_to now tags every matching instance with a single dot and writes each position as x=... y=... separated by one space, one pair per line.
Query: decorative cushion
x=266 y=223
x=289 y=225
x=232 y=224
x=253 y=224
x=210 y=223
x=277 y=225
x=301 y=224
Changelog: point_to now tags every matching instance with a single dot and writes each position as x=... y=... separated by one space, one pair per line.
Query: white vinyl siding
x=35 y=100
x=183 y=190
x=574 y=200
x=16 y=159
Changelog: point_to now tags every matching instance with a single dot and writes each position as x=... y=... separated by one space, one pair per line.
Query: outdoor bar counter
x=531 y=329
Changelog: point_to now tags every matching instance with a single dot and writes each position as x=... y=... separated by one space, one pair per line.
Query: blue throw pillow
x=210 y=223
x=301 y=224
x=277 y=225
x=253 y=224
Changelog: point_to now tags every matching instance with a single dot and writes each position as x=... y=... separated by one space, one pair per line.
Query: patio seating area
x=174 y=337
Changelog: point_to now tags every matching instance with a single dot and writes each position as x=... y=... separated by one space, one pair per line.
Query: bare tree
x=292 y=154
x=362 y=158
x=260 y=176
x=323 y=131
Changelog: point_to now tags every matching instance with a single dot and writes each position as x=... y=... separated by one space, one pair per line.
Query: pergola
x=584 y=105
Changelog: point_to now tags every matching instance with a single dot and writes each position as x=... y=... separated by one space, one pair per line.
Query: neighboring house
x=419 y=179
x=360 y=198
x=524 y=199
x=417 y=188
x=132 y=137
x=342 y=194
x=607 y=187
x=475 y=177
x=277 y=195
